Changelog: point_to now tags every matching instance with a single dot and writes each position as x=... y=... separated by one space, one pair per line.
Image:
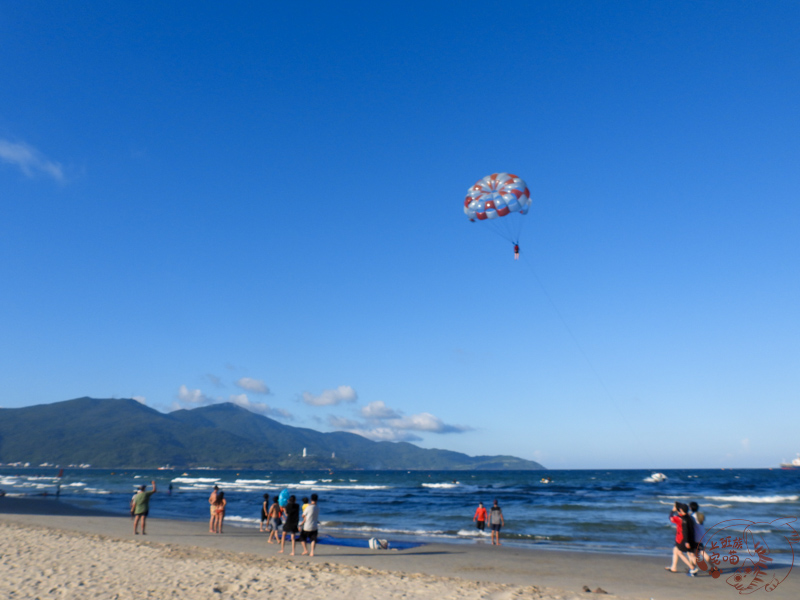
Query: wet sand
x=54 y=550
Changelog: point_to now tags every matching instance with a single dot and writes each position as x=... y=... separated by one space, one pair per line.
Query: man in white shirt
x=309 y=525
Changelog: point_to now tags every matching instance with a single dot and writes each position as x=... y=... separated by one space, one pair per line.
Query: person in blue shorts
x=496 y=522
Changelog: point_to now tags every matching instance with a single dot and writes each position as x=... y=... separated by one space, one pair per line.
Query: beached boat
x=795 y=464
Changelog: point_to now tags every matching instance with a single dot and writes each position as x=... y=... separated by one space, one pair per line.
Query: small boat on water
x=546 y=480
x=656 y=478
x=795 y=464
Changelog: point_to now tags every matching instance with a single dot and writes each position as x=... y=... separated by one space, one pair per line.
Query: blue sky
x=263 y=203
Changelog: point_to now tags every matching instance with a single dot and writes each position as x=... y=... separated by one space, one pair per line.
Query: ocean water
x=606 y=510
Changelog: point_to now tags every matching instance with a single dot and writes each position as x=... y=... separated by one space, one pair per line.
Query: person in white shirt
x=309 y=526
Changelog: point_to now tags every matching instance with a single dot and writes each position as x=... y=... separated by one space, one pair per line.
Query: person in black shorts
x=310 y=525
x=264 y=511
x=684 y=537
x=291 y=520
x=480 y=517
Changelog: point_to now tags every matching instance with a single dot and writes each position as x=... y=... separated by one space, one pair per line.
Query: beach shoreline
x=475 y=570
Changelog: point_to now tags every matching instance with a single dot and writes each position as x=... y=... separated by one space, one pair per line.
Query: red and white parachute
x=501 y=198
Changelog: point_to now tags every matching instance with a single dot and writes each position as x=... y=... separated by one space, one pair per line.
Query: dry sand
x=53 y=550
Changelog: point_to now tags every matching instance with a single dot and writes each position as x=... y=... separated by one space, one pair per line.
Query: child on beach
x=274 y=516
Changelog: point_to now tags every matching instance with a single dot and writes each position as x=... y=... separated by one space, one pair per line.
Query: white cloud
x=29 y=160
x=385 y=434
x=196 y=397
x=193 y=398
x=342 y=423
x=140 y=399
x=382 y=423
x=253 y=385
x=378 y=410
x=259 y=407
x=343 y=393
x=425 y=422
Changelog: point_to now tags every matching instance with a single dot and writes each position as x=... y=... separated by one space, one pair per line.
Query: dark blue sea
x=616 y=510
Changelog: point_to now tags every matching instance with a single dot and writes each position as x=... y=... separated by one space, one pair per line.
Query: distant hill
x=125 y=433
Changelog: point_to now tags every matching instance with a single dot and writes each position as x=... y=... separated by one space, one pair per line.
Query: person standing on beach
x=292 y=510
x=264 y=511
x=480 y=517
x=496 y=522
x=310 y=525
x=211 y=500
x=141 y=507
x=219 y=511
x=274 y=516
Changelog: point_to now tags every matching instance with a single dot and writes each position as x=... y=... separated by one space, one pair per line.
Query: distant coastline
x=124 y=434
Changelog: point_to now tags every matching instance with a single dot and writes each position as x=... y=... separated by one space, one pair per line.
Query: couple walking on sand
x=496 y=520
x=689 y=533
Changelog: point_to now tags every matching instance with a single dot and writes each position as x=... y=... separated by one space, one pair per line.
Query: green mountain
x=125 y=433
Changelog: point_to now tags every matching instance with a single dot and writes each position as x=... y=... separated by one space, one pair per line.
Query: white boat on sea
x=795 y=464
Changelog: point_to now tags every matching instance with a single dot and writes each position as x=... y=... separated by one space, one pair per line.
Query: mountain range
x=114 y=433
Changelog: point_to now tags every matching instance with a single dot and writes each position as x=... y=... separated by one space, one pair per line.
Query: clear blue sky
x=263 y=202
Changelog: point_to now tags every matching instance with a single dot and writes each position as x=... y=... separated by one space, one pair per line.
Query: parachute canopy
x=497 y=195
x=499 y=200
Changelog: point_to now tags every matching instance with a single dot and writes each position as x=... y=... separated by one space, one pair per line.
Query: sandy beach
x=54 y=550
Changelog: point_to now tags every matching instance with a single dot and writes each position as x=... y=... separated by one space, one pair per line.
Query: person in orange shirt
x=480 y=517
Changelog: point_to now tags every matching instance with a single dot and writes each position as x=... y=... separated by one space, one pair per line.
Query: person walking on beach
x=699 y=549
x=496 y=522
x=480 y=517
x=264 y=511
x=684 y=537
x=292 y=510
x=310 y=525
x=211 y=499
x=274 y=516
x=219 y=511
x=141 y=507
